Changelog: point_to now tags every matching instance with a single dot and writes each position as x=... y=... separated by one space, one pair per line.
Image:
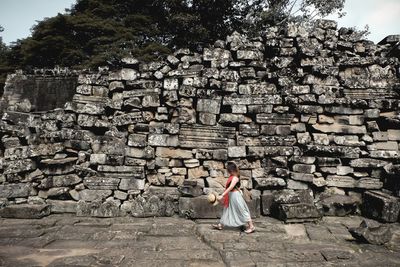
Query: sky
x=382 y=16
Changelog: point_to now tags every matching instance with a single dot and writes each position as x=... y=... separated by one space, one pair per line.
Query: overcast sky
x=18 y=16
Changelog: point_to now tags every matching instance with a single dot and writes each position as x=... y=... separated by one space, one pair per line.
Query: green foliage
x=98 y=32
x=4 y=66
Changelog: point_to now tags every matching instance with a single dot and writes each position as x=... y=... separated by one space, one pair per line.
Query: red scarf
x=226 y=197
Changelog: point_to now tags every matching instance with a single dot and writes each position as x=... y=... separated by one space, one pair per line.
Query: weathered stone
x=344 y=152
x=304 y=177
x=268 y=182
x=17 y=166
x=163 y=140
x=371 y=232
x=367 y=163
x=197 y=172
x=274 y=118
x=381 y=206
x=337 y=128
x=109 y=208
x=249 y=55
x=62 y=206
x=152 y=206
x=14 y=190
x=128 y=118
x=93 y=195
x=65 y=180
x=341 y=181
x=198 y=136
x=96 y=183
x=173 y=153
x=393 y=134
x=198 y=207
x=131 y=184
x=299 y=212
x=338 y=205
x=25 y=211
x=304 y=168
x=236 y=151
x=209 y=105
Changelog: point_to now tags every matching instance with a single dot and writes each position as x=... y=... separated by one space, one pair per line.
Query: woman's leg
x=217 y=226
x=250 y=228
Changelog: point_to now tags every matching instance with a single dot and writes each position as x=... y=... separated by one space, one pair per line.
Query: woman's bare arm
x=234 y=181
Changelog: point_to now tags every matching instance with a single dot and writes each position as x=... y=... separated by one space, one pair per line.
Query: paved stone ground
x=62 y=240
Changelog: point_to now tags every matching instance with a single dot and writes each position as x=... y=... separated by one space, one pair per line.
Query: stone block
x=25 y=211
x=268 y=182
x=163 y=140
x=340 y=181
x=303 y=177
x=299 y=212
x=171 y=84
x=146 y=153
x=164 y=152
x=249 y=55
x=209 y=105
x=93 y=195
x=137 y=140
x=197 y=172
x=62 y=206
x=95 y=182
x=341 y=129
x=390 y=145
x=107 y=209
x=132 y=184
x=393 y=134
x=372 y=232
x=236 y=151
x=153 y=206
x=267 y=201
x=207 y=118
x=15 y=190
x=296 y=185
x=304 y=168
x=198 y=208
x=17 y=166
x=381 y=206
x=339 y=205
x=368 y=163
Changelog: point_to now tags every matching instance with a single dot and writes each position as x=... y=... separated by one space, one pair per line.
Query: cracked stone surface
x=66 y=240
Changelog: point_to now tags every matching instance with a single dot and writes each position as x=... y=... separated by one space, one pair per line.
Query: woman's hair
x=232 y=168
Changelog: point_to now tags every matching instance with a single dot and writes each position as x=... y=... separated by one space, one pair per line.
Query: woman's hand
x=220 y=198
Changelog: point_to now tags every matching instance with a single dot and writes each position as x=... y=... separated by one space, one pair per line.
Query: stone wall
x=311 y=116
x=41 y=90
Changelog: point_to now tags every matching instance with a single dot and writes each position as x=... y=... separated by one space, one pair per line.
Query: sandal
x=250 y=230
x=217 y=226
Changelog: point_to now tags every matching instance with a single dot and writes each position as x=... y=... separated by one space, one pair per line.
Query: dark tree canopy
x=97 y=32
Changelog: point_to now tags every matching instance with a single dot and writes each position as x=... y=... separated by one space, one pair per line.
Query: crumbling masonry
x=311 y=116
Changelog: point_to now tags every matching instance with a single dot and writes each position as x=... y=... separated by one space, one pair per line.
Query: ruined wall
x=310 y=116
x=41 y=90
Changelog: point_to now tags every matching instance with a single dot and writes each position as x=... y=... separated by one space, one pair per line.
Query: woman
x=236 y=213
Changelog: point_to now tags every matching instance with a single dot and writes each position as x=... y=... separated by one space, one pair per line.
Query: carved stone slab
x=375 y=93
x=141 y=92
x=101 y=182
x=274 y=118
x=246 y=100
x=197 y=136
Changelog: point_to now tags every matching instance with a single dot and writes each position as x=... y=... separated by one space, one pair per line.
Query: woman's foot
x=217 y=226
x=250 y=230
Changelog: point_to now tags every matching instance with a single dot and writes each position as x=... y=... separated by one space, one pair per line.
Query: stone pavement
x=65 y=240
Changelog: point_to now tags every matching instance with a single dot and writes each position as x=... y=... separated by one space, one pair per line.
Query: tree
x=4 y=64
x=96 y=32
